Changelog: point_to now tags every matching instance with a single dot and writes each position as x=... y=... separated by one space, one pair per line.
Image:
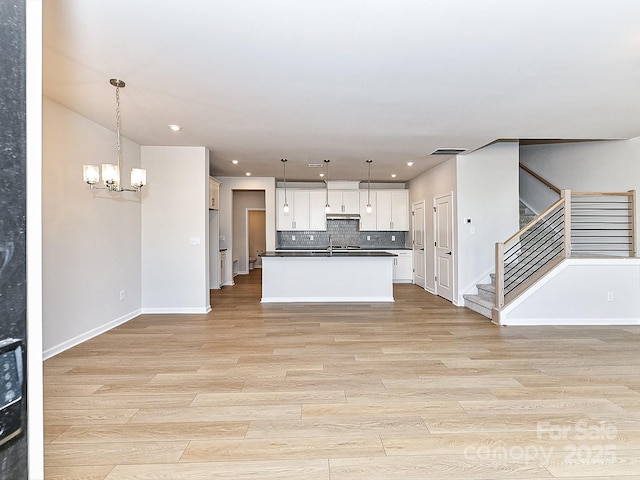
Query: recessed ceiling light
x=248 y=174
x=393 y=175
x=235 y=162
x=409 y=164
x=321 y=174
x=175 y=128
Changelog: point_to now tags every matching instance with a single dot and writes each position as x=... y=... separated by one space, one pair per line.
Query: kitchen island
x=324 y=276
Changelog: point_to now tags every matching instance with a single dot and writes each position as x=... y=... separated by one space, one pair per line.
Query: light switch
x=194 y=241
x=472 y=230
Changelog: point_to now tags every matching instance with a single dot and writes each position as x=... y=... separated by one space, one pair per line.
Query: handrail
x=539 y=178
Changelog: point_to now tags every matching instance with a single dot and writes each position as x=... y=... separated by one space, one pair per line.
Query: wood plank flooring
x=412 y=390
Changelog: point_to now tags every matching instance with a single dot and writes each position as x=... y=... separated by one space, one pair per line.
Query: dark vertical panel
x=13 y=298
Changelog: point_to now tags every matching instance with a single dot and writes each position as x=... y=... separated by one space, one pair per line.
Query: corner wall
x=175 y=230
x=91 y=238
x=487 y=186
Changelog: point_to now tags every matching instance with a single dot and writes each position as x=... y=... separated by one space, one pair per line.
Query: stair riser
x=487 y=294
x=478 y=309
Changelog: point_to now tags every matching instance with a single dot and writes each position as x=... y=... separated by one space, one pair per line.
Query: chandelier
x=110 y=171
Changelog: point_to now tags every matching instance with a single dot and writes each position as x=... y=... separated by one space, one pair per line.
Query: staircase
x=484 y=301
x=526 y=215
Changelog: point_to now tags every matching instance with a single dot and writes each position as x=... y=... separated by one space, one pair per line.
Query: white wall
x=227 y=187
x=581 y=292
x=588 y=166
x=487 y=186
x=242 y=200
x=91 y=238
x=175 y=273
x=439 y=180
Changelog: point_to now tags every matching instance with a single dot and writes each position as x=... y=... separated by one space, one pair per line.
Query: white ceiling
x=347 y=80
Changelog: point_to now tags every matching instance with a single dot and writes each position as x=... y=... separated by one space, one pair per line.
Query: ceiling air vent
x=448 y=151
x=315 y=165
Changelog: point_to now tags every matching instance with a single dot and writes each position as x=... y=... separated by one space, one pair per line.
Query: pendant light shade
x=285 y=207
x=327 y=207
x=369 y=209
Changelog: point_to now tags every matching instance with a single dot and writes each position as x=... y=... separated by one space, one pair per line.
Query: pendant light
x=110 y=171
x=285 y=207
x=327 y=207
x=369 y=208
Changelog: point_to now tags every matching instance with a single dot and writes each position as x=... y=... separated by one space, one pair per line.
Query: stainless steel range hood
x=343 y=216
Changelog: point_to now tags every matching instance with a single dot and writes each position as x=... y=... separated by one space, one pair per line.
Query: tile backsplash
x=343 y=233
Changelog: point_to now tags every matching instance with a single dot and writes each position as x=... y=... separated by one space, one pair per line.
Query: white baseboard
x=528 y=322
x=326 y=299
x=94 y=332
x=177 y=310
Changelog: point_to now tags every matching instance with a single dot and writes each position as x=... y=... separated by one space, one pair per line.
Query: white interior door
x=417 y=214
x=443 y=223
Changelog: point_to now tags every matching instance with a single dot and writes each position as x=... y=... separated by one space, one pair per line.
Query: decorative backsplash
x=343 y=233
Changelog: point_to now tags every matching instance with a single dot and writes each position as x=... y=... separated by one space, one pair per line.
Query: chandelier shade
x=111 y=171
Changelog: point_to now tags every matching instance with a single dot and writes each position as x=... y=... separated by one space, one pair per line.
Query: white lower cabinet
x=402 y=266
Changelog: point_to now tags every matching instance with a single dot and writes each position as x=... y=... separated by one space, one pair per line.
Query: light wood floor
x=417 y=389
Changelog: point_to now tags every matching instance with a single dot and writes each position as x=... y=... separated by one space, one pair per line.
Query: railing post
x=634 y=245
x=499 y=275
x=566 y=214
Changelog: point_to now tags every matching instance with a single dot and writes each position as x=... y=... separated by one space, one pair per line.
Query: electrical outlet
x=293 y=237
x=368 y=237
x=609 y=296
x=121 y=294
x=310 y=237
x=194 y=241
x=393 y=238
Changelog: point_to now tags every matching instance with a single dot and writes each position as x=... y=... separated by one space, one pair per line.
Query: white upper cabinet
x=306 y=210
x=344 y=201
x=367 y=220
x=392 y=210
x=214 y=194
x=317 y=215
x=284 y=221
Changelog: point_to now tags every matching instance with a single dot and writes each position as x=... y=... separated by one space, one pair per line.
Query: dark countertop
x=327 y=254
x=338 y=249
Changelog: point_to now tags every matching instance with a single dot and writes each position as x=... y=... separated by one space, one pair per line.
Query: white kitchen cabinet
x=284 y=221
x=306 y=210
x=214 y=194
x=367 y=220
x=344 y=201
x=392 y=210
x=317 y=215
x=402 y=266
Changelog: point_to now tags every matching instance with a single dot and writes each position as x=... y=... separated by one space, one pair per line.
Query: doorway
x=256 y=236
x=444 y=258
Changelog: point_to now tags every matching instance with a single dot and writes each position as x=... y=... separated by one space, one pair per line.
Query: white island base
x=337 y=278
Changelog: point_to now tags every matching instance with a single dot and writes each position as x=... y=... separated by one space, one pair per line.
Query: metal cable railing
x=581 y=224
x=602 y=224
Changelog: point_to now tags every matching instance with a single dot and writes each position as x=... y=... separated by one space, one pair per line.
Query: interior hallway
x=411 y=390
